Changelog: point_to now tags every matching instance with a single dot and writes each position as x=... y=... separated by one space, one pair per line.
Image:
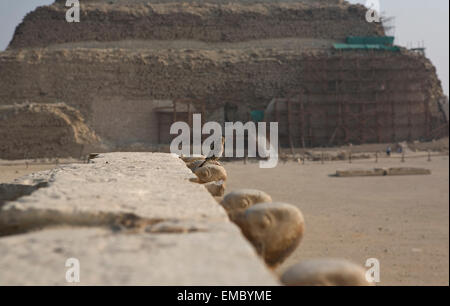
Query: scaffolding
x=179 y=110
x=358 y=99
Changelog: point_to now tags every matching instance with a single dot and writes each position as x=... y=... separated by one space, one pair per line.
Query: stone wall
x=114 y=89
x=129 y=219
x=43 y=130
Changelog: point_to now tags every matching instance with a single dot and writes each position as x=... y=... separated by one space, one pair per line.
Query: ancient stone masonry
x=146 y=219
x=130 y=219
x=201 y=20
x=42 y=130
x=110 y=87
x=362 y=98
x=134 y=67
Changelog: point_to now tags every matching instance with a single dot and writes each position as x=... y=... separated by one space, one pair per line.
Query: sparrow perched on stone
x=215 y=155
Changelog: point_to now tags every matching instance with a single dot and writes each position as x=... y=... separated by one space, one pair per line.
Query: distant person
x=388 y=151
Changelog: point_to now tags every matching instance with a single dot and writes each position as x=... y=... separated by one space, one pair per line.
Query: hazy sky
x=416 y=21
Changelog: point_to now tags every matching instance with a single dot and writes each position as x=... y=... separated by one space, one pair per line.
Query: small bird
x=215 y=155
x=92 y=156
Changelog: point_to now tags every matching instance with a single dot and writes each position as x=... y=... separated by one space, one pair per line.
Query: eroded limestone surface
x=148 y=186
x=130 y=218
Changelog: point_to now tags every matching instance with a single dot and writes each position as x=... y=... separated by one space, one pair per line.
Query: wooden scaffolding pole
x=289 y=112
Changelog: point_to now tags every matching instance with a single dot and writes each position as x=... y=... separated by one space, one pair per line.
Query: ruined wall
x=353 y=97
x=43 y=130
x=133 y=219
x=126 y=54
x=209 y=22
x=115 y=89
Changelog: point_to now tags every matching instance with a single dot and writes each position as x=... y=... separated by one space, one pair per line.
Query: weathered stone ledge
x=130 y=219
x=382 y=172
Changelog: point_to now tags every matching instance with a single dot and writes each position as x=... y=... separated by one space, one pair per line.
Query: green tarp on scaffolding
x=257 y=115
x=370 y=40
x=366 y=47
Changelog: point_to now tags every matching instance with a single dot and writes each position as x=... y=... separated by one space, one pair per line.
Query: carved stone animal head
x=274 y=229
x=236 y=202
x=210 y=173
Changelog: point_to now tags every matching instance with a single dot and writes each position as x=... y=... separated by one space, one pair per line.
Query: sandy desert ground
x=402 y=221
